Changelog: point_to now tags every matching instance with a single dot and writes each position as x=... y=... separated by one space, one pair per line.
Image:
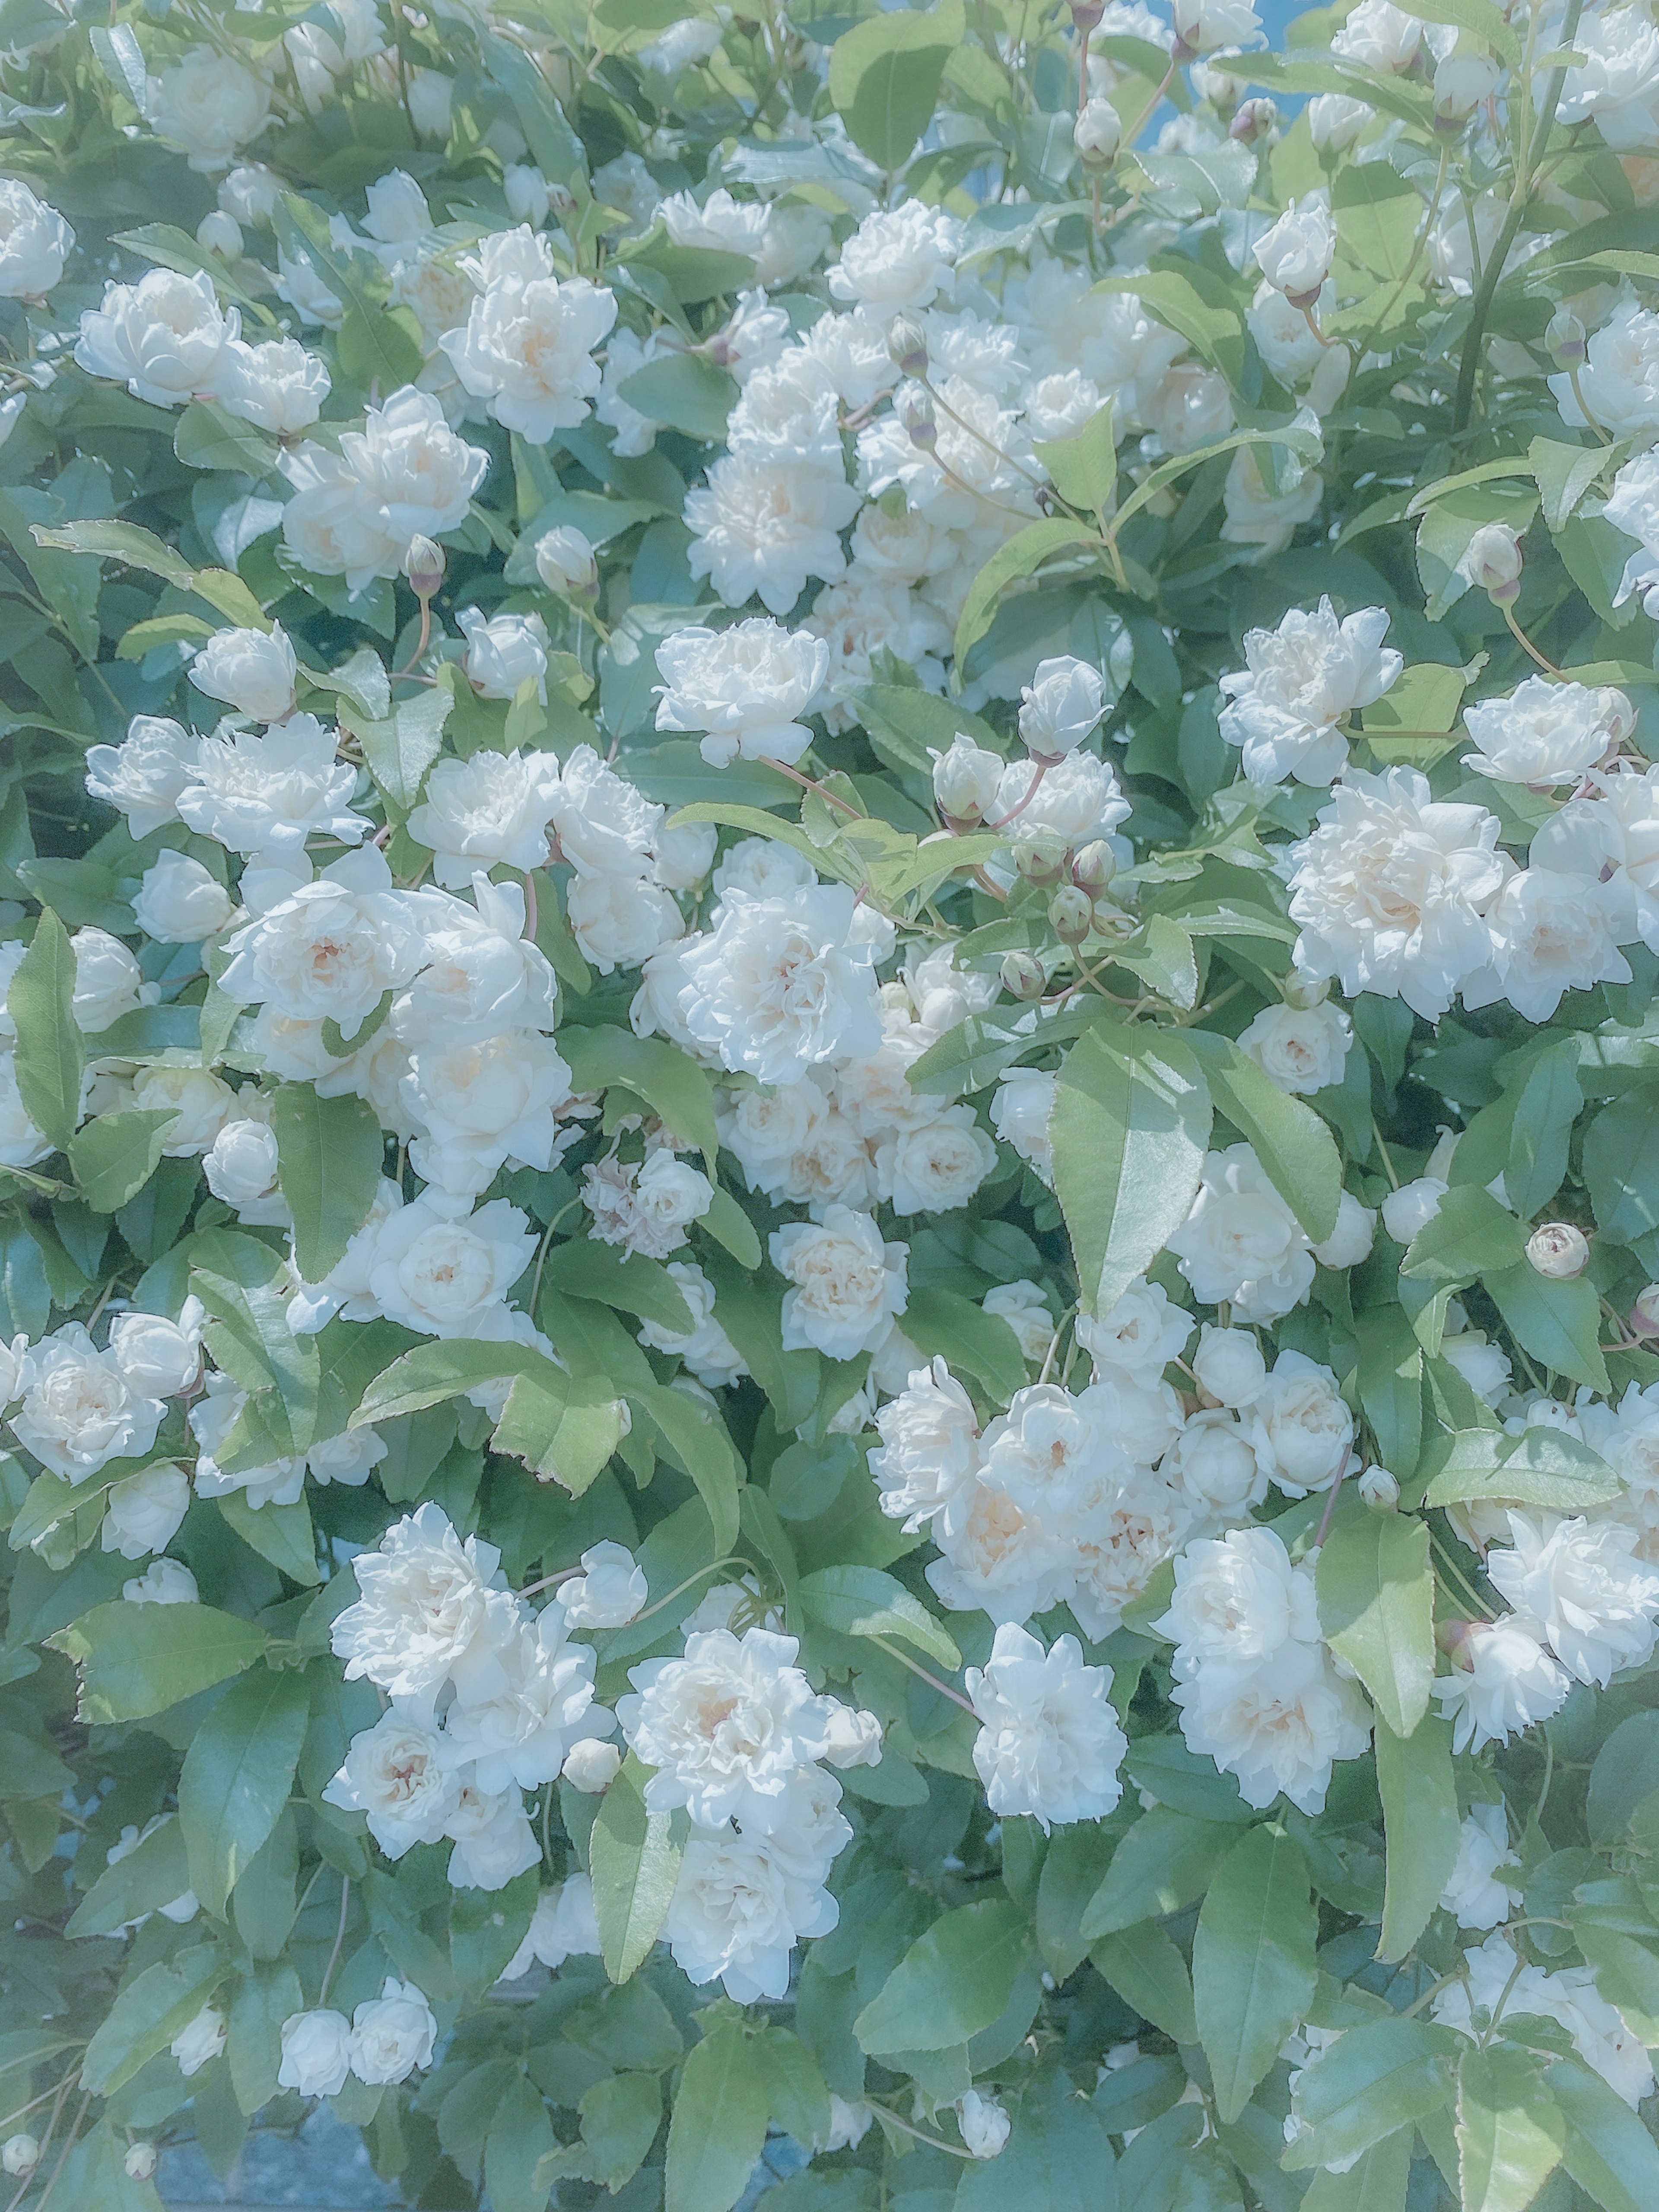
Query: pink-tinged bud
x=1451 y=1635
x=1094 y=867
x=1494 y=560
x=1022 y=975
x=1254 y=120
x=907 y=344
x=1644 y=1313
x=423 y=565
x=1379 y=1489
x=1566 y=340
x=1071 y=914
x=1040 y=858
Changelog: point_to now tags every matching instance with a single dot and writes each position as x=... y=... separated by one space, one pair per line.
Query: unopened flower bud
x=1040 y=856
x=1094 y=867
x=1451 y=1635
x=1086 y=13
x=1071 y=914
x=221 y=234
x=1645 y=1311
x=1335 y=120
x=423 y=565
x=565 y=563
x=1566 y=340
x=1097 y=132
x=1379 y=1490
x=1304 y=991
x=1022 y=975
x=1254 y=120
x=1559 y=1250
x=20 y=2154
x=1461 y=81
x=1295 y=255
x=592 y=1766
x=966 y=781
x=141 y=2161
x=1494 y=560
x=917 y=412
x=1618 y=716
x=907 y=344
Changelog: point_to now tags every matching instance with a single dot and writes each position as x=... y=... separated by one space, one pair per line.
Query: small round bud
x=141 y=2161
x=1461 y=81
x=423 y=565
x=1228 y=1366
x=219 y=234
x=1254 y=119
x=1645 y=1311
x=1335 y=120
x=1086 y=13
x=1094 y=867
x=1559 y=1250
x=1304 y=991
x=565 y=563
x=1379 y=1490
x=20 y=2154
x=916 y=410
x=1040 y=857
x=1022 y=975
x=1493 y=562
x=1071 y=914
x=1566 y=340
x=907 y=344
x=1096 y=133
x=1617 y=717
x=592 y=1766
x=966 y=782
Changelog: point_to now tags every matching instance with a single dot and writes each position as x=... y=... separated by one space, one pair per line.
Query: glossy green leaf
x=1253 y=1964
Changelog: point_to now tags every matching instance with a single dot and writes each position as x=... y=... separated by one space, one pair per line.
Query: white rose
x=591 y=1765
x=1024 y=1308
x=966 y=781
x=748 y=688
x=35 y=241
x=1020 y=1114
x=404 y=475
x=1213 y=1466
x=618 y=921
x=1241 y=1244
x=1335 y=120
x=1228 y=1364
x=210 y=105
x=144 y=1513
x=253 y=671
x=565 y=562
x=847 y=1285
x=108 y=979
x=489 y=810
x=436 y=1266
x=251 y=193
x=21 y=1143
x=984 y=2125
x=393 y=2035
x=180 y=902
x=398 y=1775
x=200 y=2040
x=1140 y=1336
x=1409 y=1210
x=1239 y=1600
x=1299 y=1427
x=938 y=1166
x=1295 y=255
x=781 y=984
x=1502 y=1681
x=265 y=794
x=11 y=1368
x=528 y=342
x=162 y=337
x=240 y=1165
x=1061 y=707
x=316 y=2053
x=79 y=1409
x=332 y=950
x=158 y=1357
x=1618 y=379
x=279 y=386
x=1049 y=1743
x=504 y=653
x=480 y=1105
x=143 y=776
x=686 y=854
x=929 y=1452
x=1302 y=1048
x=1544 y=732
x=164 y=1582
x=494 y=1840
x=20 y=2154
x=898 y=260
x=1594 y=1603
x=610 y=1590
x=201 y=1101
x=1352 y=1238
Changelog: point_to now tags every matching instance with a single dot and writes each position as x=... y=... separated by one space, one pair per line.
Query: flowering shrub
x=829 y=1108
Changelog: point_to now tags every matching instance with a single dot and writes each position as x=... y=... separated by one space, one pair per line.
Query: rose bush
x=828 y=1102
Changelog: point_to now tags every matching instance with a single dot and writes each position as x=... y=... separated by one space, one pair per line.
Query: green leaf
x=50 y=1051
x=635 y=1863
x=400 y=749
x=330 y=1155
x=1621 y=1163
x=563 y=1429
x=620 y=2119
x=151 y=2009
x=884 y=76
x=557 y=149
x=1373 y=2079
x=1607 y=2150
x=1253 y=1964
x=731 y=1227
x=864 y=1602
x=1378 y=2184
x=264 y=2000
x=151 y=1876
x=1391 y=1387
x=1148 y=1973
x=697 y=1436
x=1377 y=217
x=1510 y=2134
x=1558 y=1323
x=434 y=1372
x=1164 y=1861
x=1470 y=1235
x=236 y=1778
x=136 y=1660
x=1295 y=1148
x=282 y=1534
x=953 y=1982
x=656 y=1073
x=242 y=1283
x=941 y=1320
x=115 y=1155
x=1130 y=1124
x=1377 y=1608
x=719 y=2121
x=1421 y=1825
x=1058 y=2157
x=521 y=2136
x=1021 y=556
x=686 y=392
x=1084 y=467
x=1193 y=300
x=627 y=1280
x=209 y=436
x=1542 y=1467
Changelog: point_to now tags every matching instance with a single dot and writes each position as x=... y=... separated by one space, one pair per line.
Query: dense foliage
x=828 y=1107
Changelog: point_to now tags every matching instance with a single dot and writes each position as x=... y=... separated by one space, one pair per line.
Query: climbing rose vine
x=830 y=1101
